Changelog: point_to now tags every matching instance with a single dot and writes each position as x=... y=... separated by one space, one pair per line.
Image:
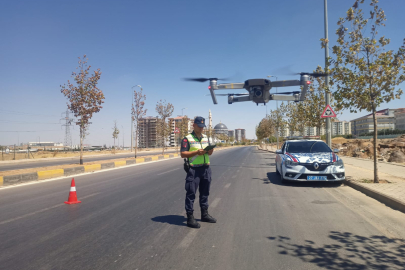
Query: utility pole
x=68 y=123
x=327 y=92
x=123 y=138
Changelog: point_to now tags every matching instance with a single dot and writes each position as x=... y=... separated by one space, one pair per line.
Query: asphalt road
x=133 y=218
x=25 y=164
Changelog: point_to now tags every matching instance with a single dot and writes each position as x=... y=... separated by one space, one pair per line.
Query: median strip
x=26 y=175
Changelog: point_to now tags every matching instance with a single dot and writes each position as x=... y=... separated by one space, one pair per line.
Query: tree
x=277 y=118
x=184 y=127
x=265 y=129
x=137 y=112
x=115 y=133
x=85 y=99
x=316 y=103
x=364 y=72
x=164 y=111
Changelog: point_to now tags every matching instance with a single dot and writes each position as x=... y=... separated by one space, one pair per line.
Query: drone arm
x=285 y=83
x=230 y=86
x=295 y=97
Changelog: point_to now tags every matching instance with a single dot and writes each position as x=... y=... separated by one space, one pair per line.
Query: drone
x=259 y=89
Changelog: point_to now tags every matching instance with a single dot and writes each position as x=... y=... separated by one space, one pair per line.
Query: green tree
x=85 y=98
x=277 y=118
x=365 y=74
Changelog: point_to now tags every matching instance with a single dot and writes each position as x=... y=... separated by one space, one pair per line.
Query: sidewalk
x=360 y=175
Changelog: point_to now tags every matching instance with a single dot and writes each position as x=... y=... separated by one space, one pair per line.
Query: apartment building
x=240 y=134
x=175 y=122
x=147 y=137
x=400 y=119
x=365 y=124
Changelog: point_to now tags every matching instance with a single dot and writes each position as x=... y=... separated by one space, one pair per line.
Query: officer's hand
x=210 y=152
x=200 y=152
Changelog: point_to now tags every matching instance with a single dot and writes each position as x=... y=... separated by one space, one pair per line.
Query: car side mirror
x=335 y=150
x=279 y=152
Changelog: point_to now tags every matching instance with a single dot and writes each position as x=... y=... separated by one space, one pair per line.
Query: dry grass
x=339 y=140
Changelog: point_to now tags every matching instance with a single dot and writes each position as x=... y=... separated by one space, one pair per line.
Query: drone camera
x=257 y=91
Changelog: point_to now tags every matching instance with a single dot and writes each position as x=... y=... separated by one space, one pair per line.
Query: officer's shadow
x=171 y=219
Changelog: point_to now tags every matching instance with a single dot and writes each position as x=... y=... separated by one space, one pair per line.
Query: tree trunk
x=81 y=145
x=375 y=146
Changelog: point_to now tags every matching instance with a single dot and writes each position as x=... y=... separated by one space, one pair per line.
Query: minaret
x=210 y=120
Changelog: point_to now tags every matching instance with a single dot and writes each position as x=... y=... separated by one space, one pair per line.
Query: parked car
x=309 y=160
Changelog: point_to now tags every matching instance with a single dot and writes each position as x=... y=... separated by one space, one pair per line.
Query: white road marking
x=43 y=210
x=215 y=202
x=188 y=239
x=168 y=171
x=228 y=185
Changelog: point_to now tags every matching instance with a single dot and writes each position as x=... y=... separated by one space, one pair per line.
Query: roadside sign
x=328 y=112
x=7 y=150
x=176 y=130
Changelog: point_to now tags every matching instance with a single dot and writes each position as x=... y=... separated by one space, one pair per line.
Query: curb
x=42 y=175
x=387 y=200
x=48 y=174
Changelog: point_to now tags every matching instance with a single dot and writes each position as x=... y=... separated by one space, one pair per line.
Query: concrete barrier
x=74 y=170
x=92 y=168
x=108 y=165
x=39 y=175
x=50 y=174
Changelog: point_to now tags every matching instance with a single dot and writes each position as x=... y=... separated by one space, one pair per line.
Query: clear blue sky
x=155 y=44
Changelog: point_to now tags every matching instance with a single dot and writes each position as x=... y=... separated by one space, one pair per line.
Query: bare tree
x=115 y=133
x=138 y=112
x=85 y=99
x=164 y=111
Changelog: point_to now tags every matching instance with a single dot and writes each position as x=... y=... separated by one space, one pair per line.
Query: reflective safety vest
x=195 y=145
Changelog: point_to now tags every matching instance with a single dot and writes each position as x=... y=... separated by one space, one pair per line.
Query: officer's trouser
x=199 y=177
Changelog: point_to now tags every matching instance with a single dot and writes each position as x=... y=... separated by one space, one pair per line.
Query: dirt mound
x=388 y=150
x=397 y=156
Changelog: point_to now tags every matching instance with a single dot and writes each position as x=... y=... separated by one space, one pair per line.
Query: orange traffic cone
x=72 y=194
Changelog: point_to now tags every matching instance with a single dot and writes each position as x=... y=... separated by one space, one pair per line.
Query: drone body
x=259 y=90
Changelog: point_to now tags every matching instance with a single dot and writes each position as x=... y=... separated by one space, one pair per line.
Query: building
x=147 y=137
x=240 y=134
x=221 y=129
x=231 y=133
x=365 y=124
x=175 y=122
x=44 y=144
x=400 y=119
x=341 y=128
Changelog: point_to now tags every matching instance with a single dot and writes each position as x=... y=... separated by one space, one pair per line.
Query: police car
x=309 y=160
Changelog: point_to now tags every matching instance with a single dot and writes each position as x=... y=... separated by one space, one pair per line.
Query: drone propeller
x=314 y=74
x=203 y=79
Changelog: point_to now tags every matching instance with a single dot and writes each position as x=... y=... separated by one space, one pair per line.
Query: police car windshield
x=307 y=147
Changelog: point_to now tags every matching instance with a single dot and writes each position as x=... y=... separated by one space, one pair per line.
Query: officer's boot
x=191 y=221
x=205 y=217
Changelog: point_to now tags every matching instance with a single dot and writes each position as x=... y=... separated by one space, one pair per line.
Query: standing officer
x=199 y=174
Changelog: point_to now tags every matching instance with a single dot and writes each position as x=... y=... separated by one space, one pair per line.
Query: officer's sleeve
x=185 y=145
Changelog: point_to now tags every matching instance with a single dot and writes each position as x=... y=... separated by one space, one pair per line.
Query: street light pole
x=327 y=93
x=277 y=108
x=182 y=111
x=123 y=137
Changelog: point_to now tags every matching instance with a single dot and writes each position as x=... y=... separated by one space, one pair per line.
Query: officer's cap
x=200 y=121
